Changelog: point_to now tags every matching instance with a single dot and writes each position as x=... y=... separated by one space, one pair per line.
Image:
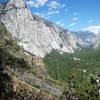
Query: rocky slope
x=29 y=68
x=33 y=33
x=14 y=89
x=24 y=75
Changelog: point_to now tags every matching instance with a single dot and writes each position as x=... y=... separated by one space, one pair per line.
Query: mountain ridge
x=37 y=37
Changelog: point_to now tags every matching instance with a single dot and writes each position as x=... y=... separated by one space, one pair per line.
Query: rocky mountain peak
x=33 y=33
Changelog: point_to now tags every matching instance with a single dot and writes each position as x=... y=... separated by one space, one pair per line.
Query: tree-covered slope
x=79 y=70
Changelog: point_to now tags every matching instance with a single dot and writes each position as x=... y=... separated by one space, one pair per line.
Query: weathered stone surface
x=36 y=35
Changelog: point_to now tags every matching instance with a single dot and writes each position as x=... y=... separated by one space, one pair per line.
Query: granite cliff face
x=25 y=76
x=33 y=33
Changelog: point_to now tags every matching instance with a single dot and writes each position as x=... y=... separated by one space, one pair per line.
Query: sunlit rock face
x=33 y=33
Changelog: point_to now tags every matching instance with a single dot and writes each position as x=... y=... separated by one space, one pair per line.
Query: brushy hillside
x=24 y=76
x=15 y=66
x=14 y=89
